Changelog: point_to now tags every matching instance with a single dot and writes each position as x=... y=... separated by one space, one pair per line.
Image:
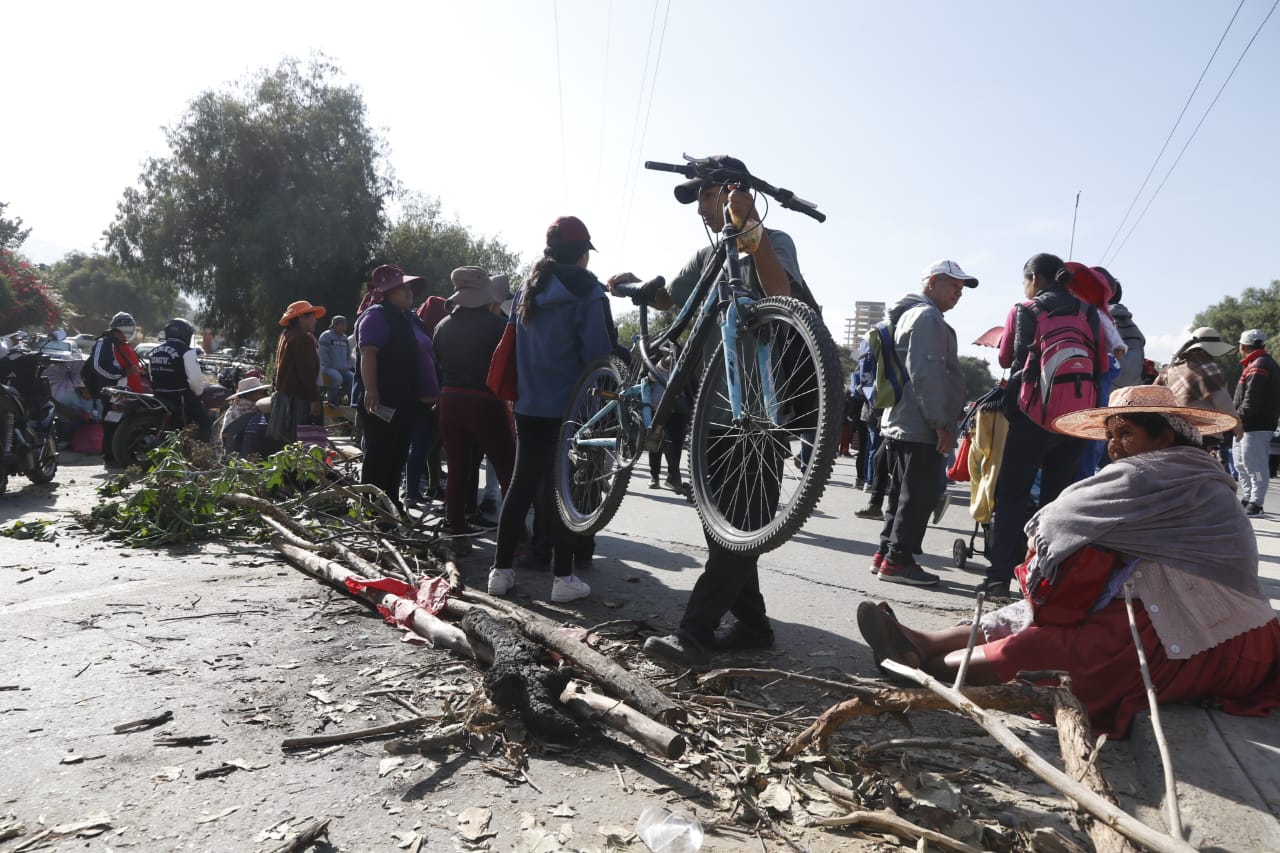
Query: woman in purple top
x=395 y=375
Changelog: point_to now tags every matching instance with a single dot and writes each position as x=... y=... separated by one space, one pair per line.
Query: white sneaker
x=568 y=588
x=501 y=581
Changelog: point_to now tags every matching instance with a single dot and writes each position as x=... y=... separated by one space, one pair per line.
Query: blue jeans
x=337 y=383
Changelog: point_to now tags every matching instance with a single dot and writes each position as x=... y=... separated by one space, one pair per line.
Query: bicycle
x=765 y=425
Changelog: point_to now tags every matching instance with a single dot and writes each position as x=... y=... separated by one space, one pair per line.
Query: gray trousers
x=1252 y=456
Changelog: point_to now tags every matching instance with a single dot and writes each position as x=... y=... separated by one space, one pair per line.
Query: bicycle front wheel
x=599 y=440
x=758 y=478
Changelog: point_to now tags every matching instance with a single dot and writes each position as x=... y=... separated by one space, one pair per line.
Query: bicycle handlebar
x=714 y=172
x=640 y=294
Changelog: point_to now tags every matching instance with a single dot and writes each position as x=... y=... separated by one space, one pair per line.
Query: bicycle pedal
x=604 y=393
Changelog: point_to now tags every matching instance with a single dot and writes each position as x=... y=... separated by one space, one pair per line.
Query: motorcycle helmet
x=124 y=322
x=179 y=329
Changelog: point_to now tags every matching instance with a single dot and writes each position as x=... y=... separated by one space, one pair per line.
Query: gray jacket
x=933 y=397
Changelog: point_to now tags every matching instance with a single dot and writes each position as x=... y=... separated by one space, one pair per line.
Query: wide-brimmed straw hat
x=299 y=309
x=248 y=385
x=475 y=288
x=1157 y=399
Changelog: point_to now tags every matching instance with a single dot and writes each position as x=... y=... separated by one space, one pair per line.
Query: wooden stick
x=143 y=724
x=358 y=564
x=396 y=561
x=1173 y=814
x=973 y=641
x=585 y=702
x=307 y=836
x=783 y=675
x=454 y=735
x=604 y=672
x=266 y=509
x=294 y=539
x=357 y=734
x=1087 y=799
x=1074 y=742
x=1004 y=697
x=887 y=821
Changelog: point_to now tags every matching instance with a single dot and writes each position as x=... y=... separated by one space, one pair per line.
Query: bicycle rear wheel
x=757 y=480
x=591 y=480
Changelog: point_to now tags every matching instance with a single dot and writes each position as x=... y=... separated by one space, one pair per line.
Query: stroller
x=985 y=428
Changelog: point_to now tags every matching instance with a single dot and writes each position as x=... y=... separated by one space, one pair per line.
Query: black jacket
x=1258 y=393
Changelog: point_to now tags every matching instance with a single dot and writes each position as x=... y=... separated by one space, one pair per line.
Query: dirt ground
x=245 y=651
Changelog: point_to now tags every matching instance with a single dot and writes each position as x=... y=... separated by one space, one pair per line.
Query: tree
x=12 y=234
x=272 y=192
x=1257 y=308
x=423 y=243
x=977 y=377
x=628 y=323
x=26 y=302
x=97 y=286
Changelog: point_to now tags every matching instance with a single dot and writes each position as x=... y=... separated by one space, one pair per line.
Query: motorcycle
x=142 y=420
x=28 y=443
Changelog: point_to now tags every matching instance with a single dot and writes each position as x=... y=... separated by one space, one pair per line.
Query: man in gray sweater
x=920 y=428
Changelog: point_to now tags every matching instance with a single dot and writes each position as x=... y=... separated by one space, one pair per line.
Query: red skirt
x=1241 y=675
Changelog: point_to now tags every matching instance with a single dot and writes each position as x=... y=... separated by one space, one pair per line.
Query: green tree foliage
x=26 y=302
x=12 y=234
x=97 y=286
x=977 y=377
x=422 y=242
x=628 y=323
x=272 y=191
x=1257 y=308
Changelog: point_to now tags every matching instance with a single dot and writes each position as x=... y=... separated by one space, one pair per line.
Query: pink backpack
x=1061 y=374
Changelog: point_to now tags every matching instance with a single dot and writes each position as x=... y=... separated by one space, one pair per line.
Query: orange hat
x=299 y=308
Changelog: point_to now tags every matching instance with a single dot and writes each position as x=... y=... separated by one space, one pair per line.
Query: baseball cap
x=951 y=269
x=687 y=193
x=569 y=229
x=1253 y=338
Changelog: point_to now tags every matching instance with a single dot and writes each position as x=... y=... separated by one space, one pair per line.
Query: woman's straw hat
x=1157 y=399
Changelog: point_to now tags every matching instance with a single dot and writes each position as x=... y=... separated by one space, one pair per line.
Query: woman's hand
x=372 y=400
x=621 y=278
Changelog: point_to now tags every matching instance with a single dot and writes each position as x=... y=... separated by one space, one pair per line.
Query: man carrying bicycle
x=730 y=581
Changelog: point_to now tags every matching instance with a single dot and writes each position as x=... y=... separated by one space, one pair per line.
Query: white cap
x=951 y=269
x=1253 y=338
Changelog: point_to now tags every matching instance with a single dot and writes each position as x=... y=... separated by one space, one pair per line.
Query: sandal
x=880 y=629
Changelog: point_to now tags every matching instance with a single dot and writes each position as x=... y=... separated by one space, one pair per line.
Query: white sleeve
x=195 y=377
x=1111 y=333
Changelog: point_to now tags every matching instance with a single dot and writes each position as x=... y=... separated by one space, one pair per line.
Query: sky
x=923 y=129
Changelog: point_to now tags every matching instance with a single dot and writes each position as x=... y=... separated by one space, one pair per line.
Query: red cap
x=568 y=229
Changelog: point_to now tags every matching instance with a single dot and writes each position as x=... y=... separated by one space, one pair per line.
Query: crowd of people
x=1132 y=490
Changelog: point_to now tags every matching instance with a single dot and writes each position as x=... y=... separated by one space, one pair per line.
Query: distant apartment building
x=865 y=315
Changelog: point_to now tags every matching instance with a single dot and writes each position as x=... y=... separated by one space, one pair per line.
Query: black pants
x=880 y=473
x=386 y=448
x=730 y=582
x=672 y=446
x=537 y=442
x=187 y=409
x=916 y=472
x=1027 y=449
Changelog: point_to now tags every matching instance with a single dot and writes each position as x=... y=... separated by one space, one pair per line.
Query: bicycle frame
x=720 y=291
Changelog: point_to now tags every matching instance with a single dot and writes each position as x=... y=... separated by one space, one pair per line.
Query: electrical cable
x=644 y=131
x=604 y=92
x=564 y=156
x=628 y=172
x=1186 y=144
x=1172 y=130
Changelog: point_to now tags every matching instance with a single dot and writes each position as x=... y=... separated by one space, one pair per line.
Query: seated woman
x=1170 y=514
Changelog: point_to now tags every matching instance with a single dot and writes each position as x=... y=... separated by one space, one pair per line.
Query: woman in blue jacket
x=562 y=324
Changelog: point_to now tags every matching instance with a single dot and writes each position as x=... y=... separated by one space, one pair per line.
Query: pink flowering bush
x=25 y=301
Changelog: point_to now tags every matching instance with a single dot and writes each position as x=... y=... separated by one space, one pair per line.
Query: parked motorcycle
x=142 y=420
x=27 y=418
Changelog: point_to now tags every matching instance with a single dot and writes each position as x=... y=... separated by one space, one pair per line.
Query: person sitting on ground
x=335 y=360
x=1165 y=515
x=241 y=411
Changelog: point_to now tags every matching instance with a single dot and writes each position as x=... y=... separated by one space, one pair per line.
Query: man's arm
x=926 y=366
x=195 y=377
x=104 y=361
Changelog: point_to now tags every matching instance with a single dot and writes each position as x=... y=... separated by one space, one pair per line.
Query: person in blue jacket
x=563 y=323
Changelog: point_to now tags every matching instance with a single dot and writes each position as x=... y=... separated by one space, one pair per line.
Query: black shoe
x=1252 y=510
x=996 y=591
x=678 y=649
x=653 y=484
x=871 y=511
x=741 y=636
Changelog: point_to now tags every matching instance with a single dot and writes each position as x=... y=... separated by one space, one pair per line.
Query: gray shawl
x=1175 y=506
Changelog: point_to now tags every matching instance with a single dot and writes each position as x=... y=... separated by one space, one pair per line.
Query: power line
x=604 y=93
x=1196 y=130
x=564 y=156
x=1172 y=130
x=635 y=125
x=644 y=132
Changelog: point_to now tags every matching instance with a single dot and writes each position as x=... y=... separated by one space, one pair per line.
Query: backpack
x=92 y=381
x=885 y=373
x=1060 y=375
